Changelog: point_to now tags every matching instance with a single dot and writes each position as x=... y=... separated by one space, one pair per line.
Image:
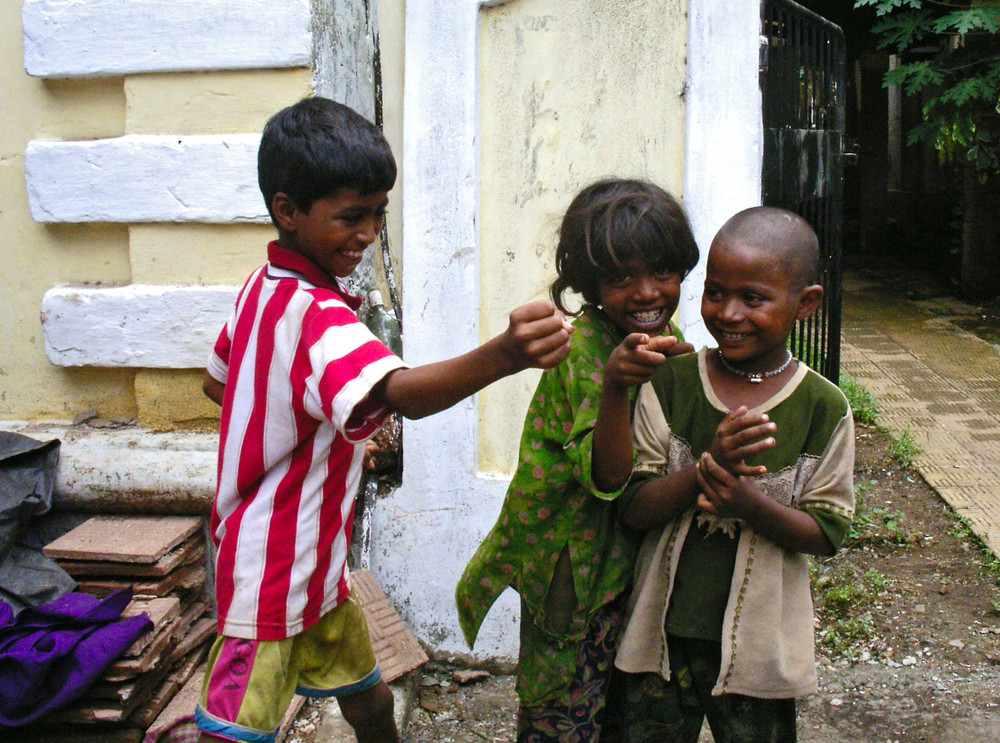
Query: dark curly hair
x=610 y=223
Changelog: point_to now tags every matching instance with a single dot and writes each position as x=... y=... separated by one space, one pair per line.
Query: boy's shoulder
x=823 y=394
x=678 y=383
x=817 y=409
x=302 y=296
x=684 y=369
x=275 y=300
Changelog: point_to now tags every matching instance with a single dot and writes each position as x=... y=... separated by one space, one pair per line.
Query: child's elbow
x=818 y=545
x=631 y=516
x=828 y=549
x=213 y=389
x=610 y=482
x=394 y=393
x=412 y=413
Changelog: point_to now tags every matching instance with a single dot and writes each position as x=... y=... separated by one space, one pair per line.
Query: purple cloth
x=50 y=654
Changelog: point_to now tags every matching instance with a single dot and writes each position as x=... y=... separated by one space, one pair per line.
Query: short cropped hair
x=782 y=233
x=612 y=222
x=316 y=147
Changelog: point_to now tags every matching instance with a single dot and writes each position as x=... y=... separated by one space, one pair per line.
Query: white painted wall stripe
x=145 y=178
x=69 y=38
x=162 y=327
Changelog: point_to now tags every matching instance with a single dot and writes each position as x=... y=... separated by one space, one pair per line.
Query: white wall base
x=128 y=470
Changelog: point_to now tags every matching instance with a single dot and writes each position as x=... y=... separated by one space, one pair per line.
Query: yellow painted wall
x=567 y=97
x=391 y=29
x=198 y=103
x=35 y=257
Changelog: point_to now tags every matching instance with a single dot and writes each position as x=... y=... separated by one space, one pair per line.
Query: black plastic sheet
x=27 y=476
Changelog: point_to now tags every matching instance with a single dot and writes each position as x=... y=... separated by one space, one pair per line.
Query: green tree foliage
x=950 y=57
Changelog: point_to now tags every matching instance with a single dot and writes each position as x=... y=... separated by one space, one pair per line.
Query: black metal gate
x=802 y=86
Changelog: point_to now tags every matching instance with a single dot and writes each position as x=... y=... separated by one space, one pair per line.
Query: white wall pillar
x=422 y=533
x=724 y=136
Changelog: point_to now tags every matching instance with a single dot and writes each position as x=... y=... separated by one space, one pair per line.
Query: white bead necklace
x=754 y=377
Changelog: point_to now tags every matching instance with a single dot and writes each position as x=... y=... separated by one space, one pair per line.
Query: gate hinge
x=763 y=55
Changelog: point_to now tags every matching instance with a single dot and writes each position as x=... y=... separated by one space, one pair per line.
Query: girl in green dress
x=624 y=247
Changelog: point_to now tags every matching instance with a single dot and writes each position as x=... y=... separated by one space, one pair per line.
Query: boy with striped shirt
x=303 y=384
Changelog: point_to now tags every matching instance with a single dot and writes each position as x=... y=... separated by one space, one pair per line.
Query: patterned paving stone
x=940 y=383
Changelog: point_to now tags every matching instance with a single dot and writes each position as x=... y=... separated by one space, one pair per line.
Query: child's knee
x=369 y=707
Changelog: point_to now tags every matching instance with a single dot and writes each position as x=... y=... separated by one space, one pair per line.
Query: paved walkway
x=942 y=382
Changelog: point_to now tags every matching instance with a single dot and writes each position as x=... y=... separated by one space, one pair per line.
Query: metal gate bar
x=802 y=79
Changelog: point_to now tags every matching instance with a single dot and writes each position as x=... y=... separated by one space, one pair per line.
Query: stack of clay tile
x=163 y=559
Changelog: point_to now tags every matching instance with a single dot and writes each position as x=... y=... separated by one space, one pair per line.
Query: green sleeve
x=834 y=525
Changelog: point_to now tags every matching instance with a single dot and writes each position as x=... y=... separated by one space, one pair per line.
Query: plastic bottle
x=382 y=323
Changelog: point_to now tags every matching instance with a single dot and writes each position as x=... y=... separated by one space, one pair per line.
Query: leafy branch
x=950 y=58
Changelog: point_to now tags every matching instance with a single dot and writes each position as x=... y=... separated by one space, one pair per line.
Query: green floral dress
x=552 y=505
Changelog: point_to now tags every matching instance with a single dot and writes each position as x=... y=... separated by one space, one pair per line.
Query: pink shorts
x=250 y=683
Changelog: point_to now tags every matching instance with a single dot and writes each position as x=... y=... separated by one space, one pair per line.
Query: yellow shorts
x=250 y=683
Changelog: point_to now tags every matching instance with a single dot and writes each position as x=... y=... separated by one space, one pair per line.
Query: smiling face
x=336 y=230
x=641 y=301
x=751 y=303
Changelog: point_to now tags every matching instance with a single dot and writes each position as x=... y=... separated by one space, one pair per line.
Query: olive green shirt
x=766 y=620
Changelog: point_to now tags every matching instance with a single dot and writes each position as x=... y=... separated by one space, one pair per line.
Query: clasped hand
x=724 y=478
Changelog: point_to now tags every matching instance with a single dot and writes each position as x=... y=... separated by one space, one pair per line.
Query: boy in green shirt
x=744 y=464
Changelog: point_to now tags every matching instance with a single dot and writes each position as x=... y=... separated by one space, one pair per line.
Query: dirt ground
x=928 y=671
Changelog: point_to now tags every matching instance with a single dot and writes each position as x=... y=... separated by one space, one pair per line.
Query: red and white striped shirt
x=298 y=367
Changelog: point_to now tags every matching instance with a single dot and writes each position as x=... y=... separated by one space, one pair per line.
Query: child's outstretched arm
x=725 y=494
x=537 y=336
x=630 y=364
